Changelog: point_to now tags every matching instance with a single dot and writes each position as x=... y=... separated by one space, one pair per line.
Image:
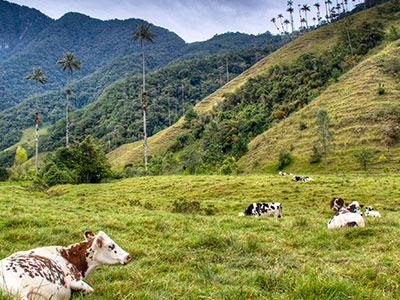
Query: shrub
x=316 y=155
x=285 y=158
x=229 y=166
x=4 y=175
x=186 y=206
x=302 y=125
x=82 y=162
x=381 y=88
x=364 y=157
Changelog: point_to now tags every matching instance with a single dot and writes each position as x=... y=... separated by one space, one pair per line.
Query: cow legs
x=81 y=286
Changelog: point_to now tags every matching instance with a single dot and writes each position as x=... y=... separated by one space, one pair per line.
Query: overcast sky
x=192 y=20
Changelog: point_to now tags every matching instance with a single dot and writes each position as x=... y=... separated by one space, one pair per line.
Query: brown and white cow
x=336 y=204
x=53 y=272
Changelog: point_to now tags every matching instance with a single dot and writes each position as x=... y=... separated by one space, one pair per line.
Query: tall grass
x=192 y=255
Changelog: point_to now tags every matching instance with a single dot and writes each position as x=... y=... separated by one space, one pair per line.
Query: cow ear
x=362 y=205
x=99 y=242
x=346 y=204
x=89 y=235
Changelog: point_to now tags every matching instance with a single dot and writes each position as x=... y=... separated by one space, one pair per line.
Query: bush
x=229 y=166
x=381 y=88
x=4 y=175
x=186 y=206
x=316 y=155
x=364 y=157
x=285 y=158
x=82 y=162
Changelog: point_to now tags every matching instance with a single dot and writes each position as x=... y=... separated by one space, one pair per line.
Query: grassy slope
x=315 y=42
x=353 y=105
x=222 y=256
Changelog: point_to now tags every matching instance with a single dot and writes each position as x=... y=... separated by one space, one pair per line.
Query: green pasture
x=207 y=251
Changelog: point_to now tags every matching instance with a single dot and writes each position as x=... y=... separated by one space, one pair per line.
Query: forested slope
x=258 y=100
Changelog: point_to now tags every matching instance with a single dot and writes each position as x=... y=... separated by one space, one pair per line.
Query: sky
x=192 y=20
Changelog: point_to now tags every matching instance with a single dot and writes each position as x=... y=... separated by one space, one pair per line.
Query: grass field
x=211 y=253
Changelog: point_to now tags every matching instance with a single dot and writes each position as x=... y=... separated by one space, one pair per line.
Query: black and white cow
x=369 y=212
x=345 y=218
x=53 y=272
x=284 y=173
x=273 y=209
x=336 y=204
x=354 y=207
x=301 y=178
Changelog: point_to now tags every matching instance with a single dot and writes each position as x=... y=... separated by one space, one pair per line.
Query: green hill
x=277 y=90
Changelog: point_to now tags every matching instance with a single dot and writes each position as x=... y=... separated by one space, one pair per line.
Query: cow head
x=105 y=250
x=336 y=204
x=368 y=209
x=354 y=207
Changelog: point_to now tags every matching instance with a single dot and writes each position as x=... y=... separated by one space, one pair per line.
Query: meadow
x=187 y=241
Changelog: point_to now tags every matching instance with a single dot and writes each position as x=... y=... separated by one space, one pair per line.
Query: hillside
x=326 y=46
x=361 y=118
x=107 y=55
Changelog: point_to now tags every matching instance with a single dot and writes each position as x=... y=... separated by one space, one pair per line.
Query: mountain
x=107 y=55
x=273 y=105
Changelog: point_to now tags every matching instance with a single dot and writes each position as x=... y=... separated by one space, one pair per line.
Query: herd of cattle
x=54 y=272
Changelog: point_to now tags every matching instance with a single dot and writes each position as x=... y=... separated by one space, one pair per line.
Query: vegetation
x=192 y=255
x=324 y=141
x=105 y=49
x=82 y=162
x=143 y=34
x=38 y=77
x=71 y=64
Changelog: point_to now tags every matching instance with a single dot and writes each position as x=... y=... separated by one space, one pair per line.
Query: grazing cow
x=301 y=178
x=284 y=173
x=263 y=210
x=354 y=207
x=345 y=218
x=337 y=203
x=369 y=212
x=53 y=272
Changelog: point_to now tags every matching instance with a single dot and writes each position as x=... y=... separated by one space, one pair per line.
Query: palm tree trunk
x=37 y=131
x=144 y=106
x=67 y=114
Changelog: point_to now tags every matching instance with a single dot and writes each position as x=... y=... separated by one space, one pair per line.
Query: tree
x=325 y=138
x=17 y=169
x=273 y=20
x=280 y=16
x=306 y=8
x=143 y=34
x=291 y=10
x=38 y=77
x=317 y=6
x=71 y=64
x=364 y=158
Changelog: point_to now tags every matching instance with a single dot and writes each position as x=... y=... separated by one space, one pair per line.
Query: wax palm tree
x=280 y=16
x=286 y=22
x=71 y=64
x=143 y=34
x=326 y=11
x=273 y=20
x=305 y=8
x=317 y=6
x=329 y=2
x=291 y=10
x=38 y=77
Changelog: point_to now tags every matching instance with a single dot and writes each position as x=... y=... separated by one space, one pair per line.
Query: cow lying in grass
x=263 y=210
x=346 y=218
x=369 y=212
x=53 y=272
x=301 y=178
x=284 y=173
